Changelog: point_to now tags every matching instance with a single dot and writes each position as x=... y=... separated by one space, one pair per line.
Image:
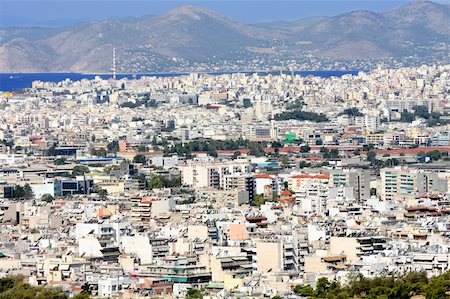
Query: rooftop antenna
x=114 y=64
x=292 y=68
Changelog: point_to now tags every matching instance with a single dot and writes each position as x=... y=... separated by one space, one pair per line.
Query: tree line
x=432 y=118
x=381 y=287
x=212 y=146
x=14 y=287
x=301 y=115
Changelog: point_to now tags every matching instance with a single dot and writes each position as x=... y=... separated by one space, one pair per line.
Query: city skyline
x=191 y=151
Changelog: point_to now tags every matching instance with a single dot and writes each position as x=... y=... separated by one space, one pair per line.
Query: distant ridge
x=187 y=35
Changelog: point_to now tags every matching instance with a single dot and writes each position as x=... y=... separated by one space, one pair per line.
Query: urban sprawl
x=226 y=186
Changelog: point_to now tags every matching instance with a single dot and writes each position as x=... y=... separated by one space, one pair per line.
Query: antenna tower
x=114 y=64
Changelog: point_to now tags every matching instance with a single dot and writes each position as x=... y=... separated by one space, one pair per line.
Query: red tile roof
x=412 y=151
x=322 y=176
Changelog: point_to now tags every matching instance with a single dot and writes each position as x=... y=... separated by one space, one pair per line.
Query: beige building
x=269 y=256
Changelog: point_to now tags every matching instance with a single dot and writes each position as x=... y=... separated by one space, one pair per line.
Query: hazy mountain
x=187 y=34
x=11 y=21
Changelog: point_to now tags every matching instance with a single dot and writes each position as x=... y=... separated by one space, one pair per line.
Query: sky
x=66 y=12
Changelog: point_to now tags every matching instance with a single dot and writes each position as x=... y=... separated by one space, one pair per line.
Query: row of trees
x=157 y=182
x=23 y=192
x=329 y=154
x=301 y=115
x=259 y=200
x=388 y=287
x=211 y=146
x=382 y=287
x=433 y=118
x=351 y=112
x=101 y=152
x=433 y=155
x=7 y=143
x=14 y=287
x=26 y=193
x=146 y=102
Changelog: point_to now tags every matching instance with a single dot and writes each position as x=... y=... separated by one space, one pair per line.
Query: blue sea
x=11 y=82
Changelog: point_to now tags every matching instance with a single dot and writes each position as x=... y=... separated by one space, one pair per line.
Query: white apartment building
x=310 y=191
x=198 y=174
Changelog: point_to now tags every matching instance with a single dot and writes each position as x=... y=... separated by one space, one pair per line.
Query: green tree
x=391 y=162
x=60 y=161
x=371 y=156
x=326 y=153
x=18 y=192
x=86 y=289
x=305 y=148
x=323 y=285
x=259 y=200
x=172 y=182
x=334 y=153
x=368 y=147
x=212 y=153
x=113 y=146
x=140 y=159
x=9 y=282
x=247 y=103
x=301 y=115
x=101 y=152
x=27 y=192
x=303 y=164
x=155 y=182
x=15 y=288
x=276 y=144
x=438 y=287
x=47 y=198
x=235 y=155
x=7 y=143
x=407 y=117
x=194 y=294
x=351 y=112
x=305 y=291
x=102 y=194
x=434 y=155
x=80 y=170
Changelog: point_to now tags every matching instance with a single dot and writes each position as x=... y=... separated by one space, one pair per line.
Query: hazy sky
x=62 y=12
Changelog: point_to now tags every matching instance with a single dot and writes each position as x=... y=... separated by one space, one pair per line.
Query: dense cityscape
x=228 y=186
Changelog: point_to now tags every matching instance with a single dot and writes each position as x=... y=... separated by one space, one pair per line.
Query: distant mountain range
x=190 y=35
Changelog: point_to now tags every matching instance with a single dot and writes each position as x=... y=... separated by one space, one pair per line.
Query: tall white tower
x=114 y=64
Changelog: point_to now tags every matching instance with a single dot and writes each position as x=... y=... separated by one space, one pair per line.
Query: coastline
x=15 y=81
x=184 y=72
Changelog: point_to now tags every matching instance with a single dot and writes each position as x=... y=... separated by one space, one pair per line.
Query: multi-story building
x=407 y=183
x=211 y=174
x=223 y=198
x=240 y=182
x=359 y=180
x=310 y=191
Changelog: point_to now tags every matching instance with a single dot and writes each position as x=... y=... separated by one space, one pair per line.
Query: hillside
x=190 y=36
